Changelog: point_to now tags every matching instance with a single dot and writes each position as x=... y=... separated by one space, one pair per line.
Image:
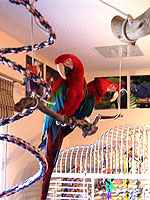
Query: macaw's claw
x=87 y=132
x=90 y=128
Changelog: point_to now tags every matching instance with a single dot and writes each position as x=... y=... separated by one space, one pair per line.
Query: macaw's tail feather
x=51 y=156
x=45 y=183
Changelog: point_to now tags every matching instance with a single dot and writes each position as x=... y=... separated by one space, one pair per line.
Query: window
x=6 y=98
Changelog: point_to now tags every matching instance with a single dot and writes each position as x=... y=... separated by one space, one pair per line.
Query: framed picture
x=51 y=75
x=140 y=91
x=37 y=68
x=105 y=103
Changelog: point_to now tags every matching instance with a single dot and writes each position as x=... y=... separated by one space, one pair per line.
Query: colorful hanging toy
x=127 y=168
x=109 y=188
x=31 y=149
x=109 y=184
x=31 y=76
x=138 y=183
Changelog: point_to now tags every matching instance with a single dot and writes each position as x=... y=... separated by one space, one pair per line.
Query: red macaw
x=96 y=90
x=68 y=94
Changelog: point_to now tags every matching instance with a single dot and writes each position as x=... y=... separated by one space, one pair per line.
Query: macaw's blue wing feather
x=79 y=110
x=58 y=96
x=87 y=108
x=54 y=130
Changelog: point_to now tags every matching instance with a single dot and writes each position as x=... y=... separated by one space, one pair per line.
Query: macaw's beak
x=115 y=96
x=64 y=70
x=61 y=70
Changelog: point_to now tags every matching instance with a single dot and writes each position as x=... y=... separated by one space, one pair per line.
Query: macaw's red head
x=102 y=86
x=113 y=88
x=69 y=65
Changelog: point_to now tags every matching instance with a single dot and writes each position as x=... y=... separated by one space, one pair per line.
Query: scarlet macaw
x=68 y=94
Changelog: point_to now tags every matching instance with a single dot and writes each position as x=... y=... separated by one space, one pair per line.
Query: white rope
x=34 y=95
x=120 y=90
x=32 y=35
x=121 y=12
x=120 y=68
x=125 y=37
x=128 y=19
x=119 y=95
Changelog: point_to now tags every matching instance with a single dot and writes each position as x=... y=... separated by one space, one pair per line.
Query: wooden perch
x=130 y=32
x=87 y=128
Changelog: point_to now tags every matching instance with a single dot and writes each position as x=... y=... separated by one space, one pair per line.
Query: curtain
x=6 y=98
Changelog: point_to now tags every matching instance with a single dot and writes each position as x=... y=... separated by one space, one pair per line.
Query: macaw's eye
x=112 y=85
x=69 y=59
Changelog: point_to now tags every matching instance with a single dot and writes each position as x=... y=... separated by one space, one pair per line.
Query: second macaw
x=69 y=95
x=96 y=90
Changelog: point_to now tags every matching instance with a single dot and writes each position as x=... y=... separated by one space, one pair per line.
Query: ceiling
x=80 y=26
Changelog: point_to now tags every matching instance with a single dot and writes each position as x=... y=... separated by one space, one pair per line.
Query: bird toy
x=31 y=149
x=39 y=81
x=127 y=169
x=30 y=75
x=109 y=188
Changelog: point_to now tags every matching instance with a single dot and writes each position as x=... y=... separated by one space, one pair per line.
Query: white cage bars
x=121 y=155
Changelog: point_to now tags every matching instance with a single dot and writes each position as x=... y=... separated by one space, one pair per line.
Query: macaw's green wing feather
x=87 y=108
x=58 y=96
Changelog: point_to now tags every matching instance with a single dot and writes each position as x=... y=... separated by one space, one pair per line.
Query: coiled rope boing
x=31 y=149
x=25 y=49
x=39 y=81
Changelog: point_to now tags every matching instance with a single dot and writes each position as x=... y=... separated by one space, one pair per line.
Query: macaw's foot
x=88 y=132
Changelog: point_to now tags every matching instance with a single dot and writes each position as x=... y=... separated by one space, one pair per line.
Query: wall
x=134 y=116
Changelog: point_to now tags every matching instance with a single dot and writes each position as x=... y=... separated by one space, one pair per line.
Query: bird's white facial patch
x=68 y=62
x=61 y=70
x=111 y=88
x=115 y=96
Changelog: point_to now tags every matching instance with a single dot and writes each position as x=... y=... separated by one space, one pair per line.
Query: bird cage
x=116 y=166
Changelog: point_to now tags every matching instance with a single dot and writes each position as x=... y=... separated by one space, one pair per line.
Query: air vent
x=113 y=51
